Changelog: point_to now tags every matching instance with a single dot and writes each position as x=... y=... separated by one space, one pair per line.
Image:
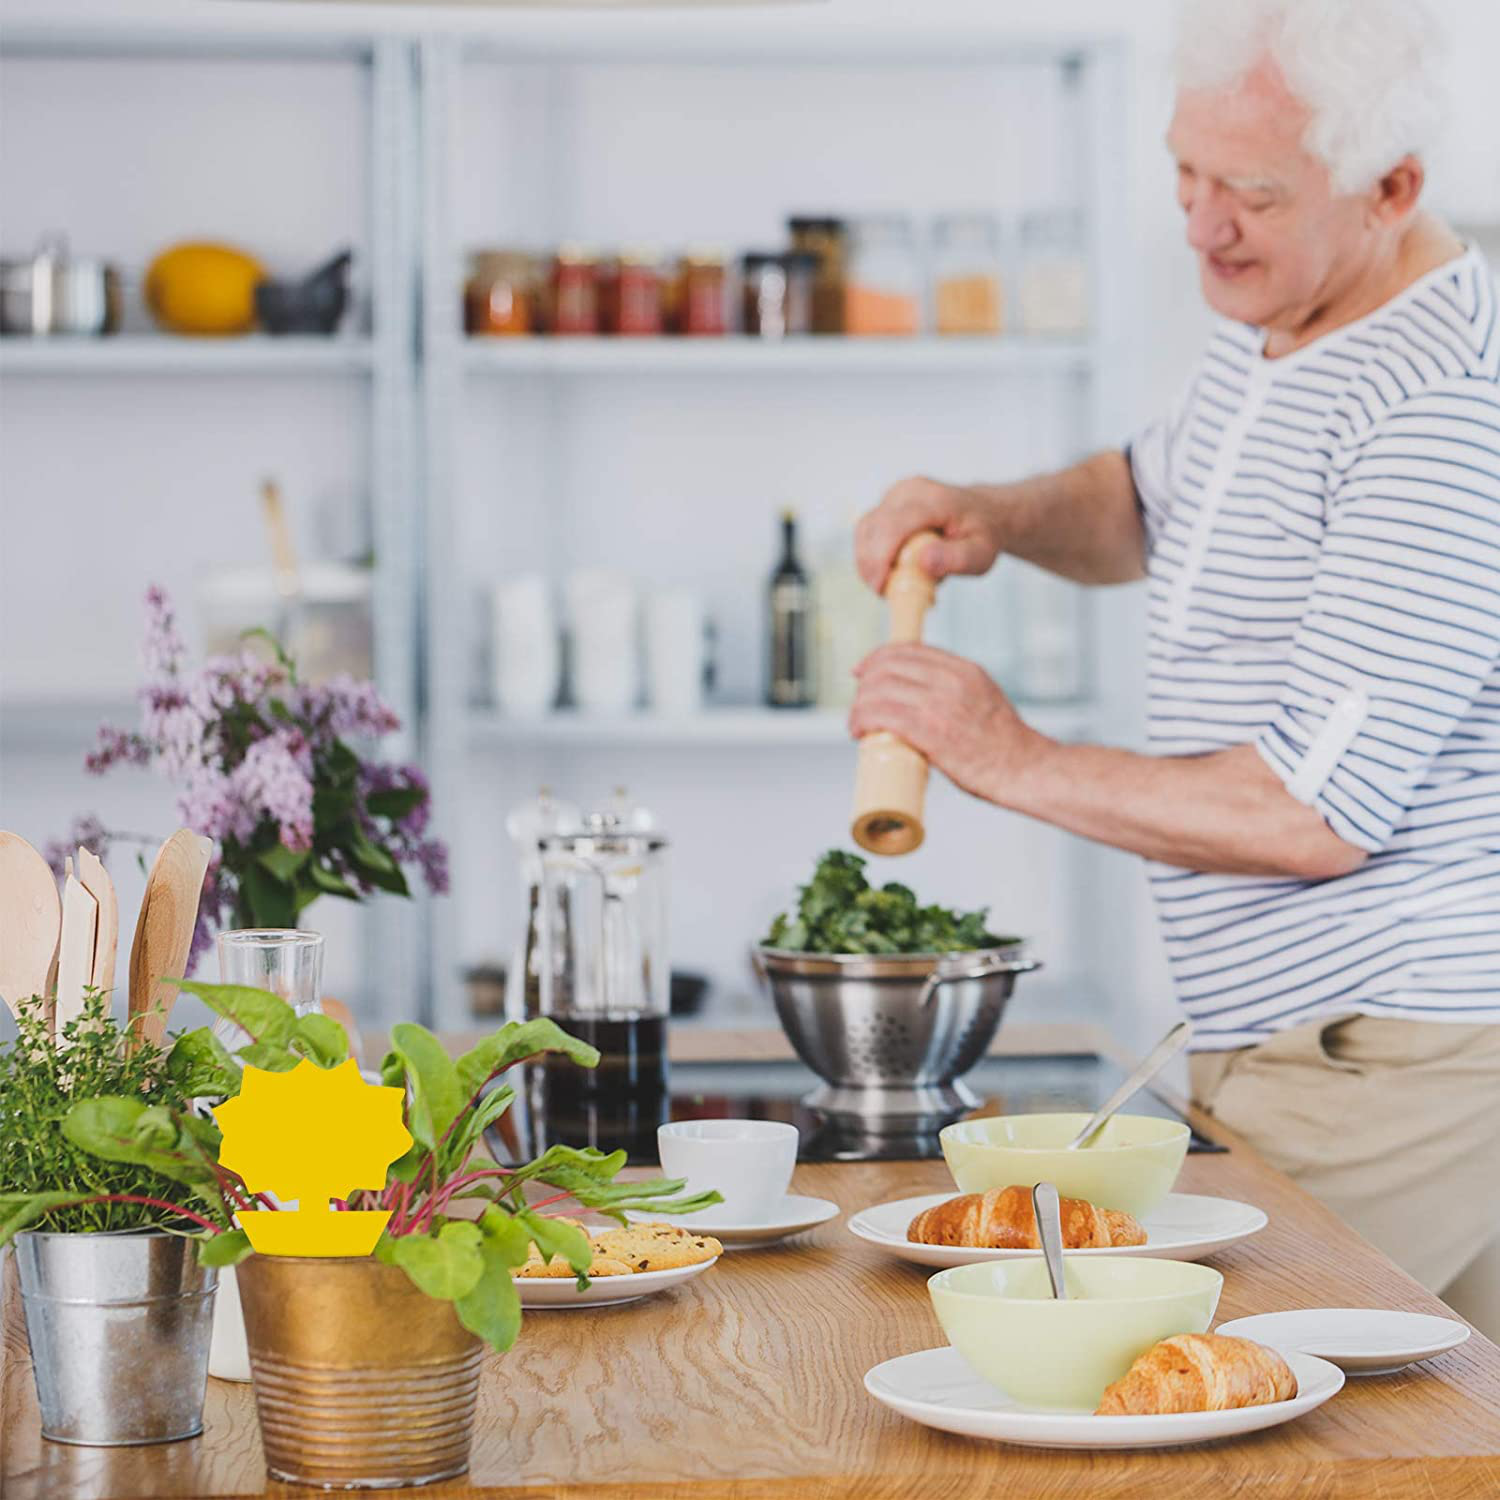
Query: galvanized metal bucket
x=119 y=1326
x=361 y=1381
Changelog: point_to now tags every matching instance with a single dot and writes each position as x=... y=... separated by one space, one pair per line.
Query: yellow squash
x=203 y=289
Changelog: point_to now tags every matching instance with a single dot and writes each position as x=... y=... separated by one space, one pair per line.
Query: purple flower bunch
x=262 y=764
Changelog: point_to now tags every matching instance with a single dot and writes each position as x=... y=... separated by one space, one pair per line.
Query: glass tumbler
x=283 y=960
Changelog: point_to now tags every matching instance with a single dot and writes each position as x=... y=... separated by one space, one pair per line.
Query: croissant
x=1199 y=1372
x=1003 y=1219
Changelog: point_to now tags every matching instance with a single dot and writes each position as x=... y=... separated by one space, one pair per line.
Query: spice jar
x=883 y=296
x=826 y=239
x=1054 y=281
x=778 y=292
x=702 y=307
x=499 y=294
x=575 y=291
x=637 y=298
x=966 y=274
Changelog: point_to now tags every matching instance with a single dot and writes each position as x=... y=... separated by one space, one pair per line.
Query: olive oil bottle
x=790 y=677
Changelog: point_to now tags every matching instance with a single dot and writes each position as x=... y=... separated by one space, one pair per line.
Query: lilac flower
x=276 y=775
x=215 y=910
x=433 y=858
x=116 y=747
x=345 y=707
x=163 y=653
x=87 y=831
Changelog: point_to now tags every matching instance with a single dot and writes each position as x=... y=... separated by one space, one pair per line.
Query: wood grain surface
x=746 y=1384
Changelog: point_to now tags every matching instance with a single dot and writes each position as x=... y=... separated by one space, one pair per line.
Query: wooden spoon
x=30 y=921
x=97 y=883
x=164 y=930
x=75 y=951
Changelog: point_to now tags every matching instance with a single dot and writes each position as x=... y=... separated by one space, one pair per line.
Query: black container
x=313 y=305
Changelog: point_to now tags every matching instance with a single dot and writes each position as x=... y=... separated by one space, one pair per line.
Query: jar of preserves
x=966 y=274
x=778 y=291
x=827 y=239
x=575 y=291
x=500 y=294
x=703 y=306
x=883 y=296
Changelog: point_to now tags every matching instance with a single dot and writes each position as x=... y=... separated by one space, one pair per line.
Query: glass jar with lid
x=967 y=297
x=575 y=291
x=703 y=304
x=883 y=294
x=1054 y=279
x=827 y=239
x=637 y=309
x=500 y=293
x=778 y=293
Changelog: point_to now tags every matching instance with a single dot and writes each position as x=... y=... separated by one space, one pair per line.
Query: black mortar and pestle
x=315 y=304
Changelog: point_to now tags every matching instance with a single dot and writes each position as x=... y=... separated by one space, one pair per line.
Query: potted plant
x=118 y=1307
x=266 y=766
x=366 y=1367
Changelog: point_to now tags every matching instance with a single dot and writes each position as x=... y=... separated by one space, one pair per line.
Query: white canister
x=674 y=631
x=526 y=656
x=228 y=1353
x=603 y=623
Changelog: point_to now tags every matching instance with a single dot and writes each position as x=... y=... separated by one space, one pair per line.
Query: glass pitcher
x=605 y=978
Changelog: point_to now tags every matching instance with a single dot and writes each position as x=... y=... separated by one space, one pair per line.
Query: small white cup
x=749 y=1161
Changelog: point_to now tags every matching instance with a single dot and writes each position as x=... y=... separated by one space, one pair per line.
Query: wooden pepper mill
x=890 y=785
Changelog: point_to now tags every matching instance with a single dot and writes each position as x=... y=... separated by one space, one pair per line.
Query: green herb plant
x=839 y=911
x=450 y=1103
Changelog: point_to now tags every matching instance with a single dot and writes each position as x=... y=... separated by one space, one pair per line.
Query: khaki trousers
x=1395 y=1125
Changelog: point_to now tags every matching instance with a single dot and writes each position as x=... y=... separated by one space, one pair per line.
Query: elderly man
x=1318 y=523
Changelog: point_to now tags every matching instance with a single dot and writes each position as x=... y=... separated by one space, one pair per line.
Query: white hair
x=1369 y=70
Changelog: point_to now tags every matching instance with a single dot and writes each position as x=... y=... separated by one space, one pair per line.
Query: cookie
x=601 y=1265
x=658 y=1247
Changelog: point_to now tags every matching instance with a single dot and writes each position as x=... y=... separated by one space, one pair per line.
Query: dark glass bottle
x=789 y=627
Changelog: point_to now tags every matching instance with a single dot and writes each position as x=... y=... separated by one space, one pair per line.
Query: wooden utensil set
x=61 y=948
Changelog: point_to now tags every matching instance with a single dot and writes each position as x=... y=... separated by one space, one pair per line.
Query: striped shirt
x=1323 y=534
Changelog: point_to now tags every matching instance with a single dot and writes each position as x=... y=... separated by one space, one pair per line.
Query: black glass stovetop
x=775 y=1091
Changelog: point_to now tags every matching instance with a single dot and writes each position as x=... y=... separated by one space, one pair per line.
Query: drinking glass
x=283 y=960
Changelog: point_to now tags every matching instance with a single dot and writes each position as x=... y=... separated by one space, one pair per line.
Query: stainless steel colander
x=892 y=1037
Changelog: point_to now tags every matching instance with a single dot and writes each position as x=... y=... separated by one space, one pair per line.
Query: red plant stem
x=543 y=1202
x=176 y=1209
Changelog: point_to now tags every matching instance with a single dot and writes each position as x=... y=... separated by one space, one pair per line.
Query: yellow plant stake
x=312 y=1134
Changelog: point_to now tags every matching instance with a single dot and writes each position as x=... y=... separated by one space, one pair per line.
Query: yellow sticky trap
x=312 y=1134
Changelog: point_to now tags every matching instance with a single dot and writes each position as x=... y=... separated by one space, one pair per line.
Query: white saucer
x=1359 y=1340
x=938 y=1389
x=604 y=1291
x=796 y=1215
x=1184 y=1226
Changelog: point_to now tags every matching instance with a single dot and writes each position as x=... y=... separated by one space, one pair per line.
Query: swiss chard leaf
x=19 y=1211
x=446 y=1265
x=435 y=1093
x=266 y=1017
x=554 y=1238
x=200 y=1065
x=321 y=1039
x=151 y=1136
x=492 y=1309
x=513 y=1042
x=227 y=1249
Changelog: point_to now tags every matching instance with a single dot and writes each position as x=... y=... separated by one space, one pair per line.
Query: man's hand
x=948 y=709
x=965 y=518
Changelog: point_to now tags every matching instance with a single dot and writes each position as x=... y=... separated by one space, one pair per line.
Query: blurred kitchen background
x=623 y=287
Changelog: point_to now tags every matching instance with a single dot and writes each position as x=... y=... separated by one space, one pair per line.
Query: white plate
x=938 y=1389
x=604 y=1291
x=1184 y=1226
x=1359 y=1340
x=795 y=1216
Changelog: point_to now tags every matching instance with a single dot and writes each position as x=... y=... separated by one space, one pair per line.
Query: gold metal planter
x=361 y=1381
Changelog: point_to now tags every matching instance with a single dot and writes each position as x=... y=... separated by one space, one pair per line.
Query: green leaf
x=284 y=863
x=477 y=1120
x=435 y=1093
x=446 y=1265
x=201 y=1067
x=260 y=633
x=395 y=802
x=565 y=1166
x=267 y=1017
x=271 y=1056
x=554 y=1238
x=513 y=1042
x=320 y=1038
x=130 y=1130
x=272 y=902
x=374 y=863
x=226 y=1249
x=406 y=1166
x=493 y=1308
x=329 y=882
x=19 y=1211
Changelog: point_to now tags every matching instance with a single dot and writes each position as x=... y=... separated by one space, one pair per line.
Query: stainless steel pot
x=892 y=1037
x=119 y=1327
x=54 y=293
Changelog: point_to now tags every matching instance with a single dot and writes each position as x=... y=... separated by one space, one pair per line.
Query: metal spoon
x=1048 y=1210
x=1158 y=1057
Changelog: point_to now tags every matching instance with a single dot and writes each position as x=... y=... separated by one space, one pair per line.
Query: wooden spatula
x=30 y=921
x=164 y=930
x=75 y=951
x=96 y=882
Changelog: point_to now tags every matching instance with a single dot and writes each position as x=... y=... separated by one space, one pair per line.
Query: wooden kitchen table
x=747 y=1383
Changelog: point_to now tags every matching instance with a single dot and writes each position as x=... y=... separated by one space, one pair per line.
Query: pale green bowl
x=1131 y=1166
x=1002 y=1317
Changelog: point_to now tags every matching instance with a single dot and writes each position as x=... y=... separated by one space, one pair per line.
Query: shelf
x=743 y=728
x=160 y=354
x=738 y=354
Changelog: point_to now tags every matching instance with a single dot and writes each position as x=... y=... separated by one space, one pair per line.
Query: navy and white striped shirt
x=1324 y=557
